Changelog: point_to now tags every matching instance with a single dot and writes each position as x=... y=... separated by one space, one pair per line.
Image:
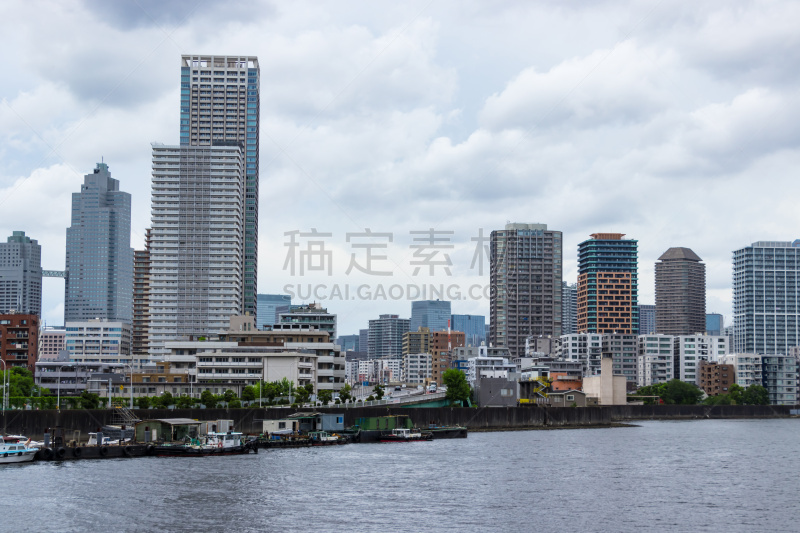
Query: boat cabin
x=166 y=430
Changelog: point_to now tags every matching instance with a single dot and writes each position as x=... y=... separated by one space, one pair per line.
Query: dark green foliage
x=89 y=400
x=208 y=399
x=184 y=402
x=345 y=394
x=457 y=386
x=249 y=393
x=755 y=395
x=325 y=396
x=675 y=392
x=302 y=394
x=378 y=390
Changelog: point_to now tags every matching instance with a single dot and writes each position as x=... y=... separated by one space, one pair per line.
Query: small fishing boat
x=323 y=438
x=230 y=443
x=16 y=452
x=405 y=435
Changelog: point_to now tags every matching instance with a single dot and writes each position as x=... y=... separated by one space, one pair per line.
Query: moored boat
x=405 y=435
x=230 y=443
x=16 y=452
x=447 y=432
x=323 y=438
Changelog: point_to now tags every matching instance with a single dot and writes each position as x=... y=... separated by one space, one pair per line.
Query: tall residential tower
x=21 y=275
x=220 y=106
x=526 y=273
x=608 y=284
x=680 y=293
x=196 y=242
x=766 y=298
x=99 y=265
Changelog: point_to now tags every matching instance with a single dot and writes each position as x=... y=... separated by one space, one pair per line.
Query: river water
x=708 y=475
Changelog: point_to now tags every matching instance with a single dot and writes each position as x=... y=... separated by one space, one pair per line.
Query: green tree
x=270 y=390
x=249 y=393
x=228 y=396
x=235 y=403
x=184 y=402
x=345 y=394
x=680 y=393
x=378 y=390
x=735 y=393
x=20 y=382
x=89 y=400
x=208 y=399
x=457 y=386
x=325 y=396
x=143 y=402
x=285 y=387
x=755 y=395
x=167 y=399
x=720 y=399
x=303 y=393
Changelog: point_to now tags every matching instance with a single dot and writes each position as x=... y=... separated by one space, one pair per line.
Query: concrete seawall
x=248 y=420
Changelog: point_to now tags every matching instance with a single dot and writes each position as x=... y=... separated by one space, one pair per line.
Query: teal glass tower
x=99 y=265
x=220 y=107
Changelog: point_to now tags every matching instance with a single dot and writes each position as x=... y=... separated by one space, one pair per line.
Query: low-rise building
x=52 y=341
x=779 y=377
x=623 y=349
x=748 y=368
x=69 y=378
x=417 y=368
x=655 y=359
x=717 y=378
x=496 y=392
x=584 y=347
x=19 y=340
x=689 y=350
x=98 y=341
x=607 y=388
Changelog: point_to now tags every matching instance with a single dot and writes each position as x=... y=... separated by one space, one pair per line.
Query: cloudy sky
x=676 y=123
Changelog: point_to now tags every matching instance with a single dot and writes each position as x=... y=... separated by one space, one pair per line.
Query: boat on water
x=323 y=438
x=447 y=432
x=371 y=428
x=405 y=435
x=15 y=451
x=230 y=443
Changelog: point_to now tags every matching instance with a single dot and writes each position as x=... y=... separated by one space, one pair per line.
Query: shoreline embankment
x=34 y=423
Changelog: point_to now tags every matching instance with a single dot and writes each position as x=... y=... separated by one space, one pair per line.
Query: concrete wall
x=33 y=423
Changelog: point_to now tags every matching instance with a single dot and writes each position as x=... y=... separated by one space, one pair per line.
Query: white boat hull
x=17 y=457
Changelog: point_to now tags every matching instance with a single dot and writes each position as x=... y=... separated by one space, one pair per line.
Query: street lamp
x=58 y=396
x=131 y=383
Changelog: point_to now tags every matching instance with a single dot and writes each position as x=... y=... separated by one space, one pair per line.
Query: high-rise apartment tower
x=21 y=275
x=196 y=243
x=608 y=284
x=680 y=293
x=766 y=302
x=219 y=106
x=525 y=277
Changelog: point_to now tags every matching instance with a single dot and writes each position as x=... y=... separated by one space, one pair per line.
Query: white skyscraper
x=197 y=241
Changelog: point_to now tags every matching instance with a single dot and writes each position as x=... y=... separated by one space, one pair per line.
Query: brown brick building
x=716 y=379
x=19 y=340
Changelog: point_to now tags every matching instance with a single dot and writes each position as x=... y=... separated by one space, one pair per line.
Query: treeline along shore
x=34 y=423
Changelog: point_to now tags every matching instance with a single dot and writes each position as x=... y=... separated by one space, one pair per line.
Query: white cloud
x=674 y=125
